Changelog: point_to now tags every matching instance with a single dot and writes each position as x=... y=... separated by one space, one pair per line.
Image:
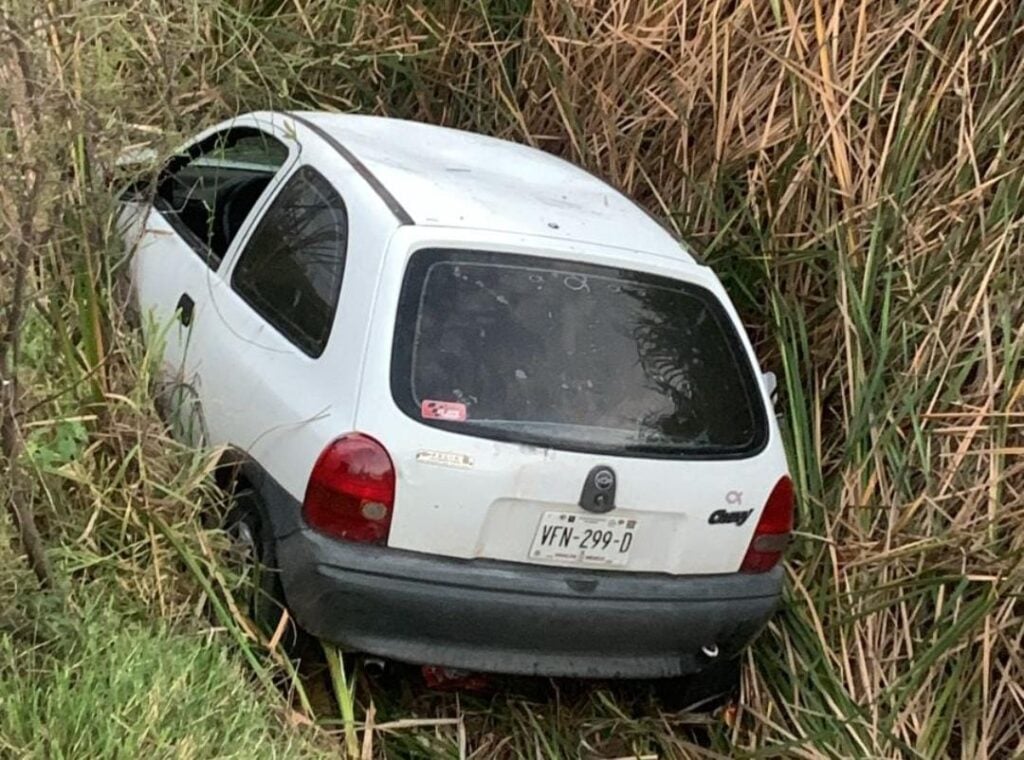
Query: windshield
x=569 y=355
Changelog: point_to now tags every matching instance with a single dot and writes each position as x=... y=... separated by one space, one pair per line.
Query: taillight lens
x=351 y=491
x=773 y=529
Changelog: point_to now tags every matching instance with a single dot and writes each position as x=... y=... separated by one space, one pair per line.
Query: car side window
x=291 y=269
x=207 y=192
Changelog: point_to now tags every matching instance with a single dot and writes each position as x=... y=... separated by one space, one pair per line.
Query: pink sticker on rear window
x=443 y=410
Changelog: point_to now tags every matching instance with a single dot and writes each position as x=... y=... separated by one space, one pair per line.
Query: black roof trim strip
x=396 y=208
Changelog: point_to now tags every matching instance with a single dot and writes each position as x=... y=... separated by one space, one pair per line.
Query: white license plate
x=585 y=539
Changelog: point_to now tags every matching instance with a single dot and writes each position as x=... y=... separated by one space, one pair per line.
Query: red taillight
x=773 y=529
x=351 y=490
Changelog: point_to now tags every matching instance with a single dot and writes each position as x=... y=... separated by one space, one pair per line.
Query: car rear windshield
x=572 y=356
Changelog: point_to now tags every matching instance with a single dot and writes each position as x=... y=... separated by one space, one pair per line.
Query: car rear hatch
x=547 y=410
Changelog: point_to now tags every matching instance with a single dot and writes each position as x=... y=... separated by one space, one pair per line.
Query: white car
x=487 y=414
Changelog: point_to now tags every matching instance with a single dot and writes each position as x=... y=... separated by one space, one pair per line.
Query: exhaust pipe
x=374 y=666
x=710 y=651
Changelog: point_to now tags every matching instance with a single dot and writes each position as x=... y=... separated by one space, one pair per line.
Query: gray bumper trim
x=517 y=618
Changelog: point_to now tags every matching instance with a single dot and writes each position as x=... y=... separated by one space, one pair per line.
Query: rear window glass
x=568 y=355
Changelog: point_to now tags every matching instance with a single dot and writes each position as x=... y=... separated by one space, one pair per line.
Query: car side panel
x=262 y=394
x=167 y=270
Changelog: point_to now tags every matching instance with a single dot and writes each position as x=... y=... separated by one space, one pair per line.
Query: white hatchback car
x=487 y=413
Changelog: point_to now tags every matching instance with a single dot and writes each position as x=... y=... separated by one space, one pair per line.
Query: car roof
x=452 y=178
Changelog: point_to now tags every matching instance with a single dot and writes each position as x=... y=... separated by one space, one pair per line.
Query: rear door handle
x=186 y=308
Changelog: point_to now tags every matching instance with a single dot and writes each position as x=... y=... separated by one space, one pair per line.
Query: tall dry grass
x=854 y=171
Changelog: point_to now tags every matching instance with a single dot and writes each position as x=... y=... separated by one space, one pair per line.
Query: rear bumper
x=516 y=618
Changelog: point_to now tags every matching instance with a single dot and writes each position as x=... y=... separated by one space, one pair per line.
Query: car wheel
x=704 y=691
x=254 y=560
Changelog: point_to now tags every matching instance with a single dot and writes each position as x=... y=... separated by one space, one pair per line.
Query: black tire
x=257 y=558
x=702 y=692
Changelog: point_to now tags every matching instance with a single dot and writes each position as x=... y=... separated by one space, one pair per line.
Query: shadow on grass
x=511 y=716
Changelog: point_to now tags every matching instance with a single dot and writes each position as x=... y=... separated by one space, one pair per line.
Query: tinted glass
x=291 y=269
x=568 y=355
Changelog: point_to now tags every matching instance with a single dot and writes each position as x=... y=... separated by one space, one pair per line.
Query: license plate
x=584 y=539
